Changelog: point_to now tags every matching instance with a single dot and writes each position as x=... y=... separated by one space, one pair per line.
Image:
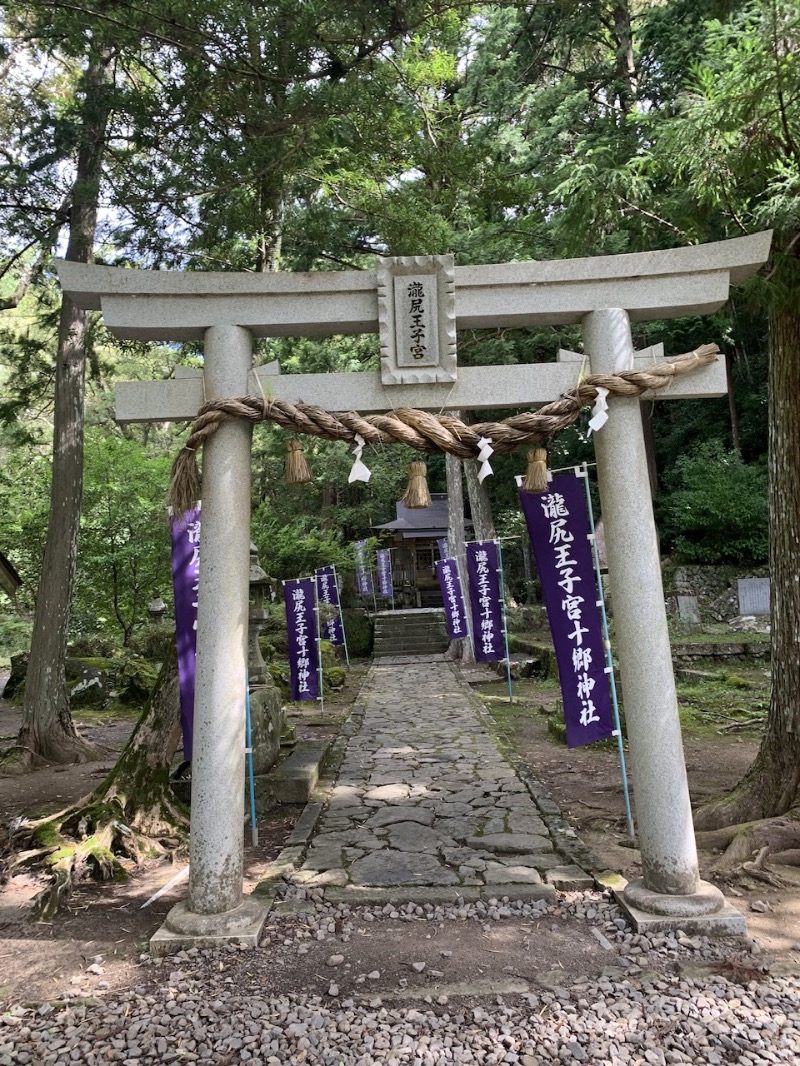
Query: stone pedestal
x=267 y=724
x=183 y=928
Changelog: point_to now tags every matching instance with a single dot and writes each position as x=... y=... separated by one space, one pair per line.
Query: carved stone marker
x=417 y=316
x=687 y=609
x=754 y=595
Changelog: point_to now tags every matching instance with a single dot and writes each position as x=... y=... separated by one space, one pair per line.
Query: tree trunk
x=139 y=783
x=47 y=727
x=479 y=504
x=270 y=230
x=737 y=443
x=459 y=649
x=625 y=64
x=772 y=784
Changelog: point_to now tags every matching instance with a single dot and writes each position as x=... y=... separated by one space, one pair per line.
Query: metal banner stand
x=583 y=472
x=501 y=582
x=467 y=613
x=341 y=614
x=250 y=770
x=321 y=696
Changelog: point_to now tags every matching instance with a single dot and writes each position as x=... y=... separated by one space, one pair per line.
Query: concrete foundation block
x=569 y=879
x=183 y=929
x=726 y=921
x=296 y=778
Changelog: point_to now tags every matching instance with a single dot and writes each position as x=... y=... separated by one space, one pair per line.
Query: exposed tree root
x=746 y=847
x=133 y=814
x=18 y=760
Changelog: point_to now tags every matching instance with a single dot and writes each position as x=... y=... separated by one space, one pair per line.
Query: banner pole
x=321 y=696
x=341 y=614
x=465 y=596
x=505 y=618
x=249 y=753
x=583 y=472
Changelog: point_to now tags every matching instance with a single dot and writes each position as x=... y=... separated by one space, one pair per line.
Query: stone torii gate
x=419 y=369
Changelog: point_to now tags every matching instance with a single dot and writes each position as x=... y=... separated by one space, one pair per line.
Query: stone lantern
x=258 y=614
x=267 y=718
x=156 y=608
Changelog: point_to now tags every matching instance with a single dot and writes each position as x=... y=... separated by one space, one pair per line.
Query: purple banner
x=328 y=592
x=441 y=544
x=383 y=558
x=485 y=595
x=455 y=611
x=364 y=584
x=185 y=536
x=559 y=530
x=301 y=628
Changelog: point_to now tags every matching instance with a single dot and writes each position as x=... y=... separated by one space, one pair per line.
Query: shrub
x=715 y=510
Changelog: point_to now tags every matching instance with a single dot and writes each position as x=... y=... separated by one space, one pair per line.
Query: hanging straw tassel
x=417 y=495
x=184 y=491
x=536 y=475
x=296 y=470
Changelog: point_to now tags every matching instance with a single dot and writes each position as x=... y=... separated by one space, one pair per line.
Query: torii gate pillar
x=227 y=310
x=215 y=907
x=671 y=884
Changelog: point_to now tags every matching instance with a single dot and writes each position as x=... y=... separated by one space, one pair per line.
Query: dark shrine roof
x=421 y=521
x=9 y=578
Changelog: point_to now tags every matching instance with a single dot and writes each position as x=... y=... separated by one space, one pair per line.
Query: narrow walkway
x=423 y=798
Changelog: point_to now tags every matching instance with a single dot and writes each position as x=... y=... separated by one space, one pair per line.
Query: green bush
x=15 y=636
x=715 y=509
x=359 y=630
x=153 y=641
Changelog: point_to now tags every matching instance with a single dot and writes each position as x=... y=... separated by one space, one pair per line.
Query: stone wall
x=715 y=587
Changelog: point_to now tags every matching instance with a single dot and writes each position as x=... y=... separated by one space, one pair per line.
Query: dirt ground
x=587 y=784
x=95 y=943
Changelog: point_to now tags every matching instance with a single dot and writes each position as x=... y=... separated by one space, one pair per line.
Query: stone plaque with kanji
x=416 y=313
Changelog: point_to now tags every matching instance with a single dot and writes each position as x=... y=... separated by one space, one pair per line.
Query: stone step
x=296 y=778
x=409 y=631
x=409 y=627
x=407 y=647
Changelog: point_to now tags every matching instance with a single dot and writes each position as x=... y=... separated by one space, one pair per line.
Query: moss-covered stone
x=136 y=680
x=334 y=677
x=279 y=672
x=98 y=644
x=153 y=642
x=90 y=681
x=267 y=724
x=327 y=654
x=16 y=680
x=557 y=729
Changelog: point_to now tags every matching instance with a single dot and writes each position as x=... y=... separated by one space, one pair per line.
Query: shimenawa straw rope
x=421 y=430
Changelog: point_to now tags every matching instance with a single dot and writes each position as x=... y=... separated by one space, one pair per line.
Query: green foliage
x=125 y=546
x=360 y=633
x=716 y=511
x=15 y=635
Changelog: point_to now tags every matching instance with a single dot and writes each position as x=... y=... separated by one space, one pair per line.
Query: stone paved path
x=423 y=798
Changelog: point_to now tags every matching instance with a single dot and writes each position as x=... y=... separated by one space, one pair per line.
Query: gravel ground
x=671 y=999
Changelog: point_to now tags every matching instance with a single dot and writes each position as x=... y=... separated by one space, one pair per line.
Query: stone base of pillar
x=702 y=913
x=183 y=928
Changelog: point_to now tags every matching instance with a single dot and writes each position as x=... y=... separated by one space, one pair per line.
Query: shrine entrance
x=417 y=304
x=415 y=537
